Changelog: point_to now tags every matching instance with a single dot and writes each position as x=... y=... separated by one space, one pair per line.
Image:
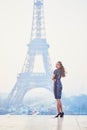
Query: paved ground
x=37 y=122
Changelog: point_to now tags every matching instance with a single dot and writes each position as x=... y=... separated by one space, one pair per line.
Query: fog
x=66 y=33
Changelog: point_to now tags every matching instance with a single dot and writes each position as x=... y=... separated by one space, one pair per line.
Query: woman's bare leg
x=61 y=109
x=58 y=106
x=61 y=106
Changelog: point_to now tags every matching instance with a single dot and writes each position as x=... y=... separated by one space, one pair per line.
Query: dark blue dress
x=57 y=84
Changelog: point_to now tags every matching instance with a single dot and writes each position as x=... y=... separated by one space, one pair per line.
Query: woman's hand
x=53 y=78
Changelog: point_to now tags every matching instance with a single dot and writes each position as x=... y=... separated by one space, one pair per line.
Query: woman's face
x=58 y=65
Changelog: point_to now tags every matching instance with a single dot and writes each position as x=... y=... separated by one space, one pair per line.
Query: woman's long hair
x=62 y=68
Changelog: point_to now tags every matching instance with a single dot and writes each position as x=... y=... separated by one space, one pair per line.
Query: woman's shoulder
x=58 y=71
x=55 y=71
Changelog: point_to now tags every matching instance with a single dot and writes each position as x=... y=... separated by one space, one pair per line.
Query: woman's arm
x=53 y=77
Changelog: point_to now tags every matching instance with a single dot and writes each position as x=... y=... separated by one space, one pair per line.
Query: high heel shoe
x=58 y=115
x=62 y=114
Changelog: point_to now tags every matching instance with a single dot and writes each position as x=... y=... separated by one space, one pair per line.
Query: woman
x=58 y=73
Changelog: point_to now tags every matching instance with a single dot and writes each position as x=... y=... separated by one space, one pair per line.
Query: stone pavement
x=40 y=122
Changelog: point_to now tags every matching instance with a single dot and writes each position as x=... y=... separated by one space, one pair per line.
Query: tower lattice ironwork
x=38 y=45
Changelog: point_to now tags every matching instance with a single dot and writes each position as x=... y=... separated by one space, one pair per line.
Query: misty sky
x=66 y=32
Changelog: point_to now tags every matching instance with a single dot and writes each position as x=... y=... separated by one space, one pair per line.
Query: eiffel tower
x=28 y=79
